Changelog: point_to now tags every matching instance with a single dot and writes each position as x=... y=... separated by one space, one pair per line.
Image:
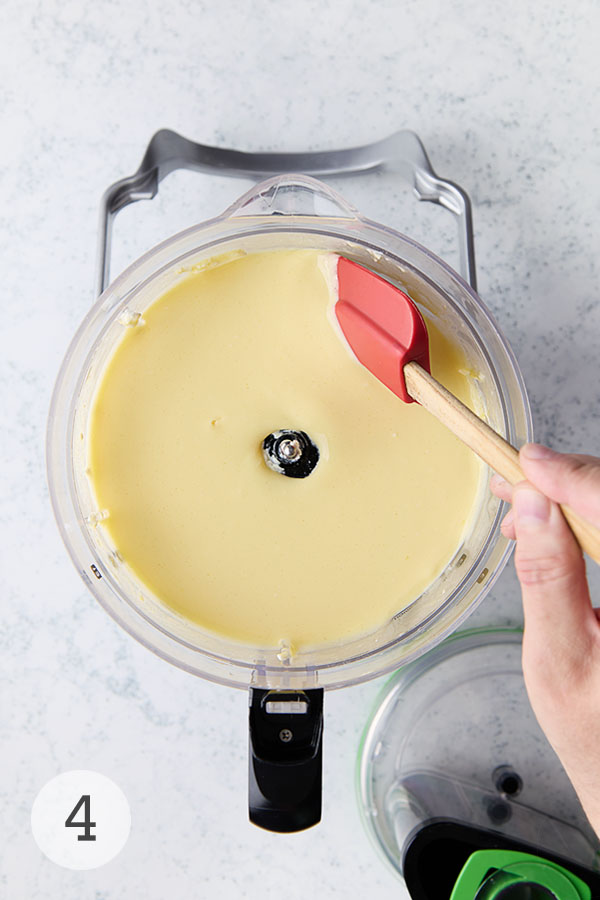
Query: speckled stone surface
x=504 y=97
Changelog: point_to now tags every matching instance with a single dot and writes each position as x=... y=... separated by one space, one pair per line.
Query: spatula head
x=382 y=325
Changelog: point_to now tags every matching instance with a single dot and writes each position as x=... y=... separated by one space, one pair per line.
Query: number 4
x=87 y=824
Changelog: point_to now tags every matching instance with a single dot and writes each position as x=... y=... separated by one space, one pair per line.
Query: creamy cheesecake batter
x=229 y=355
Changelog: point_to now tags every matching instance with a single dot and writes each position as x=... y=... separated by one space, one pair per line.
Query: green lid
x=509 y=875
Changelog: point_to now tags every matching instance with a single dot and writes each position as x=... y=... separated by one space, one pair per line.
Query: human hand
x=561 y=641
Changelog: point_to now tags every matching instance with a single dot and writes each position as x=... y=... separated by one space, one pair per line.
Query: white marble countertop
x=504 y=97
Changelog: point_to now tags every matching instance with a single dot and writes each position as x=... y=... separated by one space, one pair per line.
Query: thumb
x=565 y=478
x=550 y=567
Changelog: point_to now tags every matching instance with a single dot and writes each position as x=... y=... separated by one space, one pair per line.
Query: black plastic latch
x=285 y=759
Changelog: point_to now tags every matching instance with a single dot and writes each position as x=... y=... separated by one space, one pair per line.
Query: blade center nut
x=289 y=450
x=290 y=453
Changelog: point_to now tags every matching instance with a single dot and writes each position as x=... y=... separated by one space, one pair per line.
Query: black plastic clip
x=285 y=760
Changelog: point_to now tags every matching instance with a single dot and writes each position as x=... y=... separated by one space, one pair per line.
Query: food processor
x=284 y=211
x=460 y=790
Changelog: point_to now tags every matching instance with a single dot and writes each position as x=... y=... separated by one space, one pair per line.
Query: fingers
x=507 y=526
x=551 y=570
x=572 y=479
x=504 y=490
x=501 y=488
x=565 y=478
x=561 y=642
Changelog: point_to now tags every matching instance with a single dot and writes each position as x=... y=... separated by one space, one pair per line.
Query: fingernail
x=530 y=508
x=537 y=451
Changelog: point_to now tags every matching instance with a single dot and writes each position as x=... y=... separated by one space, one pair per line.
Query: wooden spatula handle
x=486 y=443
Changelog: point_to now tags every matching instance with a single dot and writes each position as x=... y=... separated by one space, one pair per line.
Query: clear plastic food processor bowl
x=282 y=212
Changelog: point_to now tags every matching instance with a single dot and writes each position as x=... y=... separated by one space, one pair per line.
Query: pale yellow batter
x=224 y=358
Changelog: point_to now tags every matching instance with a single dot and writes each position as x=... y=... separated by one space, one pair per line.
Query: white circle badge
x=81 y=819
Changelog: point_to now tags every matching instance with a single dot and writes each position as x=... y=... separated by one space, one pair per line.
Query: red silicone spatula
x=388 y=336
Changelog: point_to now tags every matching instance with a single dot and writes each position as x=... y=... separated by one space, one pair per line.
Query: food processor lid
x=510 y=875
x=453 y=762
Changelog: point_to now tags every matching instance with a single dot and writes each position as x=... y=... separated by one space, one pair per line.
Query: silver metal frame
x=402 y=152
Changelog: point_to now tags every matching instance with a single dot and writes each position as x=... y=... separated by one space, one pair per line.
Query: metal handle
x=285 y=759
x=402 y=152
